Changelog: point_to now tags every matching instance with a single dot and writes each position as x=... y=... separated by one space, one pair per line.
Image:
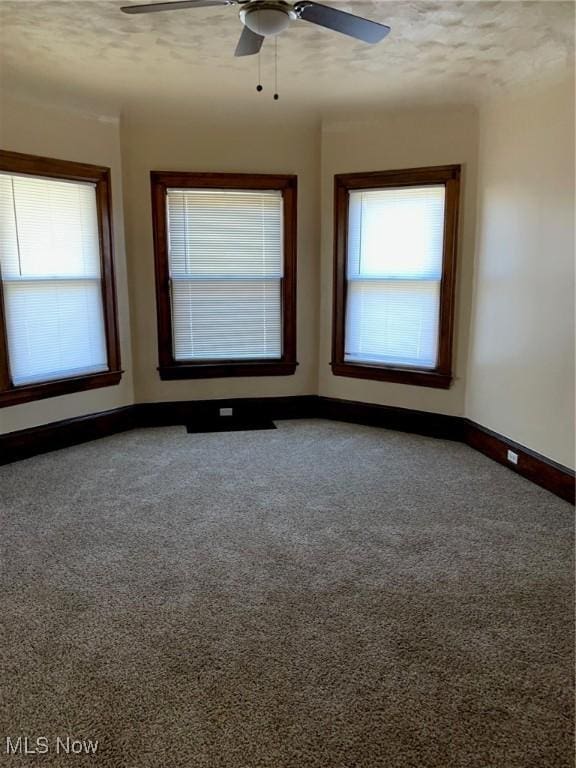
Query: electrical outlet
x=512 y=457
x=226 y=411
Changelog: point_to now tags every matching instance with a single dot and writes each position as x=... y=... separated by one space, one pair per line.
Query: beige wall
x=400 y=139
x=151 y=142
x=521 y=366
x=36 y=129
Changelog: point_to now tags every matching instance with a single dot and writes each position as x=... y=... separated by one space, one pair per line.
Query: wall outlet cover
x=512 y=457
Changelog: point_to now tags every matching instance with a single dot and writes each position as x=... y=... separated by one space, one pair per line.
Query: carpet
x=323 y=595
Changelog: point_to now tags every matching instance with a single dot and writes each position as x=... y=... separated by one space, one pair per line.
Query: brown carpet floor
x=320 y=596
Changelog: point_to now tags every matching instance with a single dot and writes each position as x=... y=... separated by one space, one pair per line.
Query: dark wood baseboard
x=25 y=443
x=167 y=414
x=539 y=469
x=60 y=434
x=229 y=424
x=402 y=419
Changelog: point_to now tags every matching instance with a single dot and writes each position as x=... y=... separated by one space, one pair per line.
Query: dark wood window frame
x=14 y=162
x=441 y=375
x=169 y=368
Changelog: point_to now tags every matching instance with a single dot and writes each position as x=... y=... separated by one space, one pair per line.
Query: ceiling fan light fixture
x=266 y=21
x=267 y=18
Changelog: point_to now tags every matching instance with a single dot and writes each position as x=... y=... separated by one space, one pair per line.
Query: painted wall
x=223 y=144
x=36 y=129
x=380 y=142
x=521 y=366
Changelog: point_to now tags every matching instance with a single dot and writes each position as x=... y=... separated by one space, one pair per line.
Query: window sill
x=415 y=377
x=31 y=392
x=226 y=369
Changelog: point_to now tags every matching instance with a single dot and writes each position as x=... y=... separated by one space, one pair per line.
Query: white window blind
x=225 y=252
x=51 y=277
x=394 y=269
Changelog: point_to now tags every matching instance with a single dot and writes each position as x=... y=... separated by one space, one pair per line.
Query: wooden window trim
x=441 y=376
x=168 y=367
x=14 y=162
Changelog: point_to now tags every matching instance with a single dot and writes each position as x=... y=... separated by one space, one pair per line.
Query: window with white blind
x=225 y=274
x=54 y=278
x=395 y=245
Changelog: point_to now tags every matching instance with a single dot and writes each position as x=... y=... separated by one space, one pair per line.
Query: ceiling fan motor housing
x=267 y=17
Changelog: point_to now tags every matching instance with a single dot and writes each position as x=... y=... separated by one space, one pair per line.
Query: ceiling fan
x=266 y=18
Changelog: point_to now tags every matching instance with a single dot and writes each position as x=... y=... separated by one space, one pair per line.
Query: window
x=395 y=251
x=225 y=250
x=57 y=307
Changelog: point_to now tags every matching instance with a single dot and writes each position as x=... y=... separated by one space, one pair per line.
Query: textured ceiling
x=437 y=51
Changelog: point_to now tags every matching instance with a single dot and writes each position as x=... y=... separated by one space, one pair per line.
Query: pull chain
x=259 y=87
x=276 y=97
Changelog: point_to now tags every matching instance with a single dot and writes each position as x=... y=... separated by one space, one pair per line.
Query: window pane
x=54 y=225
x=225 y=232
x=396 y=232
x=55 y=329
x=50 y=261
x=394 y=269
x=393 y=322
x=226 y=263
x=226 y=319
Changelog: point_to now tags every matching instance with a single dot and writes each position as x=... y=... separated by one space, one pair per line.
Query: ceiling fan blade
x=340 y=21
x=174 y=6
x=249 y=43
